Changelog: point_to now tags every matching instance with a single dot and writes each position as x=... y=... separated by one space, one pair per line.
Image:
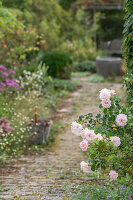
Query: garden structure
x=104 y=6
x=106 y=66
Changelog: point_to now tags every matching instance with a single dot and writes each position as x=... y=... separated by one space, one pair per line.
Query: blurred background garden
x=46 y=48
x=43 y=44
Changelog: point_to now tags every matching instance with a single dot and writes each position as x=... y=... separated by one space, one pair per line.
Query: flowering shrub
x=16 y=45
x=80 y=50
x=5 y=126
x=107 y=137
x=13 y=132
x=34 y=81
x=7 y=79
x=12 y=139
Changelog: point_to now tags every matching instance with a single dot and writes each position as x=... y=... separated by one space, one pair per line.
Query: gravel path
x=46 y=176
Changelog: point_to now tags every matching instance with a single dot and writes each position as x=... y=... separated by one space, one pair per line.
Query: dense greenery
x=15 y=40
x=110 y=23
x=59 y=64
x=30 y=32
x=99 y=190
x=17 y=108
x=102 y=154
x=66 y=4
x=128 y=45
x=128 y=31
x=87 y=65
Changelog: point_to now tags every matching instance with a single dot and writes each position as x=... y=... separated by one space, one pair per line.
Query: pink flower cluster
x=6 y=78
x=76 y=128
x=84 y=145
x=85 y=168
x=113 y=175
x=5 y=125
x=115 y=140
x=105 y=96
x=121 y=120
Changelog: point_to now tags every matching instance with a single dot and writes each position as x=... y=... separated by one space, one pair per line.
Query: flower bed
x=107 y=137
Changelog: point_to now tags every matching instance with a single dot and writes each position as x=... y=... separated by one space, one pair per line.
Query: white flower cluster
x=32 y=81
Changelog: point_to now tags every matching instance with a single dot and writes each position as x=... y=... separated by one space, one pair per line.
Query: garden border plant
x=128 y=46
x=107 y=137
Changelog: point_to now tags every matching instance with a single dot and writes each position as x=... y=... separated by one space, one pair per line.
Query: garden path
x=47 y=175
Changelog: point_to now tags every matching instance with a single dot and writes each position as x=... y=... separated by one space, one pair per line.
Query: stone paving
x=47 y=175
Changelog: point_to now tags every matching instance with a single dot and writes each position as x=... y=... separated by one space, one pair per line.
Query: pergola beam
x=100 y=7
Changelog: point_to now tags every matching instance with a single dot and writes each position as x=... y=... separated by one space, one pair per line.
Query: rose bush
x=107 y=136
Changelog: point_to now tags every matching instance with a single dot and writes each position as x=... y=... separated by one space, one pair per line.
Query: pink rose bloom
x=106 y=103
x=90 y=135
x=84 y=145
x=76 y=128
x=83 y=132
x=112 y=92
x=85 y=168
x=99 y=136
x=115 y=140
x=121 y=120
x=113 y=175
x=105 y=94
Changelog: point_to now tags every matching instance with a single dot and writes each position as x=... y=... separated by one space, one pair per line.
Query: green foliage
x=16 y=45
x=66 y=4
x=80 y=50
x=103 y=154
x=59 y=64
x=79 y=41
x=103 y=190
x=87 y=65
x=128 y=80
x=13 y=142
x=67 y=85
x=80 y=74
x=128 y=32
x=96 y=78
x=35 y=81
x=46 y=16
x=14 y=3
x=128 y=45
x=111 y=21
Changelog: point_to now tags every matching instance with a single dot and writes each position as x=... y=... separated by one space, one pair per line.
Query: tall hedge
x=128 y=46
x=128 y=34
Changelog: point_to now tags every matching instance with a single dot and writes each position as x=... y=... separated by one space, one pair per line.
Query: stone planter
x=108 y=66
x=39 y=132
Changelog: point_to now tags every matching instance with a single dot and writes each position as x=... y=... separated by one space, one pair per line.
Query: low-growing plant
x=96 y=78
x=34 y=81
x=87 y=65
x=107 y=137
x=67 y=85
x=7 y=80
x=103 y=190
x=13 y=133
x=80 y=74
x=80 y=50
x=59 y=64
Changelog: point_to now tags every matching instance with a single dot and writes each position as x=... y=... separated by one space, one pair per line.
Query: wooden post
x=36 y=115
